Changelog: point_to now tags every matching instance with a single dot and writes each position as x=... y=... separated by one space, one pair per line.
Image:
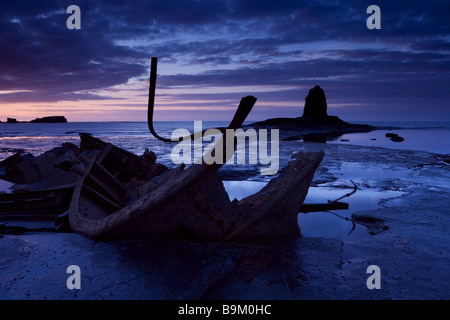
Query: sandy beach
x=407 y=237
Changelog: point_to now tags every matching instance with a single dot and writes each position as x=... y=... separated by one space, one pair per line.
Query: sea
x=36 y=138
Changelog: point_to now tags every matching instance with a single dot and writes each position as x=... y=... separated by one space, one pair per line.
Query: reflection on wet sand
x=324 y=224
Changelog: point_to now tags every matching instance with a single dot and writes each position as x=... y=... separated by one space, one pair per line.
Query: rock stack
x=315 y=104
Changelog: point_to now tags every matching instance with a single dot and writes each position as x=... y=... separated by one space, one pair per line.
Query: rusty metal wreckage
x=104 y=192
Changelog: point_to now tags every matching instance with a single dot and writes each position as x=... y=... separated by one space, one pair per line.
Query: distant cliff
x=51 y=119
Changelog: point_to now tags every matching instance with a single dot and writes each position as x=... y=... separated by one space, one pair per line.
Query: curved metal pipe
x=151 y=102
x=244 y=108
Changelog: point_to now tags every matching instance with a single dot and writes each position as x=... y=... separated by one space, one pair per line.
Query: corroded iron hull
x=191 y=203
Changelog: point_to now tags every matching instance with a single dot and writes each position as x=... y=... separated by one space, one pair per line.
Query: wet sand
x=407 y=237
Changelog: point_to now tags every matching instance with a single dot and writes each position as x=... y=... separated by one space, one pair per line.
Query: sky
x=211 y=53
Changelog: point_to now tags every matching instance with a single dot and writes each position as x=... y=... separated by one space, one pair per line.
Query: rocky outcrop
x=315 y=125
x=315 y=103
x=313 y=129
x=394 y=137
x=52 y=119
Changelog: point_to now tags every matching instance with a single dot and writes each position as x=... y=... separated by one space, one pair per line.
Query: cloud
x=41 y=55
x=290 y=44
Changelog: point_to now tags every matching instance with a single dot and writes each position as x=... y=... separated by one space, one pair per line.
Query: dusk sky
x=211 y=53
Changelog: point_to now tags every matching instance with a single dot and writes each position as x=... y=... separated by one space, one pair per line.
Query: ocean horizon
x=36 y=138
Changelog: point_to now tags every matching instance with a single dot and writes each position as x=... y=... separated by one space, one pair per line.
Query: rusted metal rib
x=241 y=114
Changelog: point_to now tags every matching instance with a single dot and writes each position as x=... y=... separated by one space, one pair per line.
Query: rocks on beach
x=394 y=137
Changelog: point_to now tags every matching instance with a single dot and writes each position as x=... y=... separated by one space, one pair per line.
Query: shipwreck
x=104 y=192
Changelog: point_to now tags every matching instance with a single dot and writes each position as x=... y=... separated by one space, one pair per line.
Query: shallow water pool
x=5 y=185
x=324 y=224
x=435 y=140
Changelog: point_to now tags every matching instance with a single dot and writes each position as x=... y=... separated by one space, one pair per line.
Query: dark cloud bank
x=402 y=68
